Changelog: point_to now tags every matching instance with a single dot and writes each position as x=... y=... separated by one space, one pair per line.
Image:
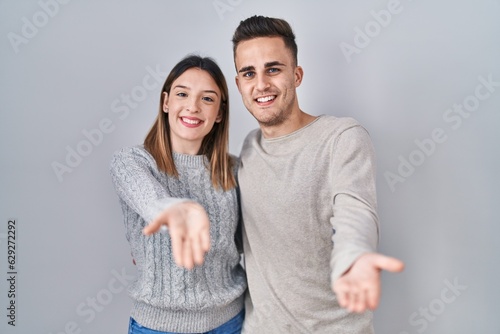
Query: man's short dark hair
x=261 y=26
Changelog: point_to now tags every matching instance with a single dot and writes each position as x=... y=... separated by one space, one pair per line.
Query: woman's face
x=193 y=106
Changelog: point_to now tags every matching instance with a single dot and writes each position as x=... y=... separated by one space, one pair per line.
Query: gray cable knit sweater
x=166 y=296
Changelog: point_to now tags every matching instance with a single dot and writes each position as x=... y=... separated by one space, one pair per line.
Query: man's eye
x=248 y=74
x=273 y=70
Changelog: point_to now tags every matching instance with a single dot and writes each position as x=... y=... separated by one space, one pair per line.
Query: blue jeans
x=233 y=326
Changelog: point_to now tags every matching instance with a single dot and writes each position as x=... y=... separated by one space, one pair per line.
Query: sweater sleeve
x=354 y=220
x=132 y=171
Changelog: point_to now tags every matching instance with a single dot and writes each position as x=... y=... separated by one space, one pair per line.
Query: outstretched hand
x=189 y=229
x=359 y=288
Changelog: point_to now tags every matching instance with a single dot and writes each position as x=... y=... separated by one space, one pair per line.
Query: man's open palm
x=359 y=288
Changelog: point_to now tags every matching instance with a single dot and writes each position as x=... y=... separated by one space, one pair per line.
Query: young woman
x=181 y=176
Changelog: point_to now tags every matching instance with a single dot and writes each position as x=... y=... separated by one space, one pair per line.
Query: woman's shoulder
x=132 y=151
x=129 y=154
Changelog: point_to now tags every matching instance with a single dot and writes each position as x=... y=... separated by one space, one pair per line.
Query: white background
x=66 y=69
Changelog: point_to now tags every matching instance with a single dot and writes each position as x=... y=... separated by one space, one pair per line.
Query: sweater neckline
x=188 y=160
x=291 y=134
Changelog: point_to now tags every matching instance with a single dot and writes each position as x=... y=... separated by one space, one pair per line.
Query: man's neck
x=294 y=123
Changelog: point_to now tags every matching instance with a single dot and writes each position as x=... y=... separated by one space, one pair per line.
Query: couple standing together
x=300 y=202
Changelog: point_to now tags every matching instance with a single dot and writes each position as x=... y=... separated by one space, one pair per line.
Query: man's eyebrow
x=266 y=65
x=273 y=63
x=246 y=69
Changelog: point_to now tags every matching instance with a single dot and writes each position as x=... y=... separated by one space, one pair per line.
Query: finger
x=152 y=227
x=202 y=229
x=205 y=239
x=177 y=238
x=340 y=293
x=187 y=254
x=352 y=300
x=198 y=253
x=389 y=263
x=373 y=296
x=342 y=299
x=360 y=302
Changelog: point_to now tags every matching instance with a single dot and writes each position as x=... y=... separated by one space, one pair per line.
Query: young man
x=308 y=202
x=308 y=199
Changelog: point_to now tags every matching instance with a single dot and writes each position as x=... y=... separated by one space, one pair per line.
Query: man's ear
x=165 y=102
x=299 y=75
x=237 y=80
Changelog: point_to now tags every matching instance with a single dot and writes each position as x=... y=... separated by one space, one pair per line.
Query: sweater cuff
x=161 y=205
x=341 y=263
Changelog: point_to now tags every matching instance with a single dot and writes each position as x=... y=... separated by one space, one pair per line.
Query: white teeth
x=266 y=99
x=190 y=121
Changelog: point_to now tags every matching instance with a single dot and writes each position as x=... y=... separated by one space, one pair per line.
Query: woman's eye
x=182 y=94
x=208 y=99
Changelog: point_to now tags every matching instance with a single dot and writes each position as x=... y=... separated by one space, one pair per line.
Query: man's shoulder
x=255 y=133
x=337 y=123
x=252 y=137
x=328 y=127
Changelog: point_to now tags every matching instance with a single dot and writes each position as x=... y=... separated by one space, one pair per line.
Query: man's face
x=267 y=78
